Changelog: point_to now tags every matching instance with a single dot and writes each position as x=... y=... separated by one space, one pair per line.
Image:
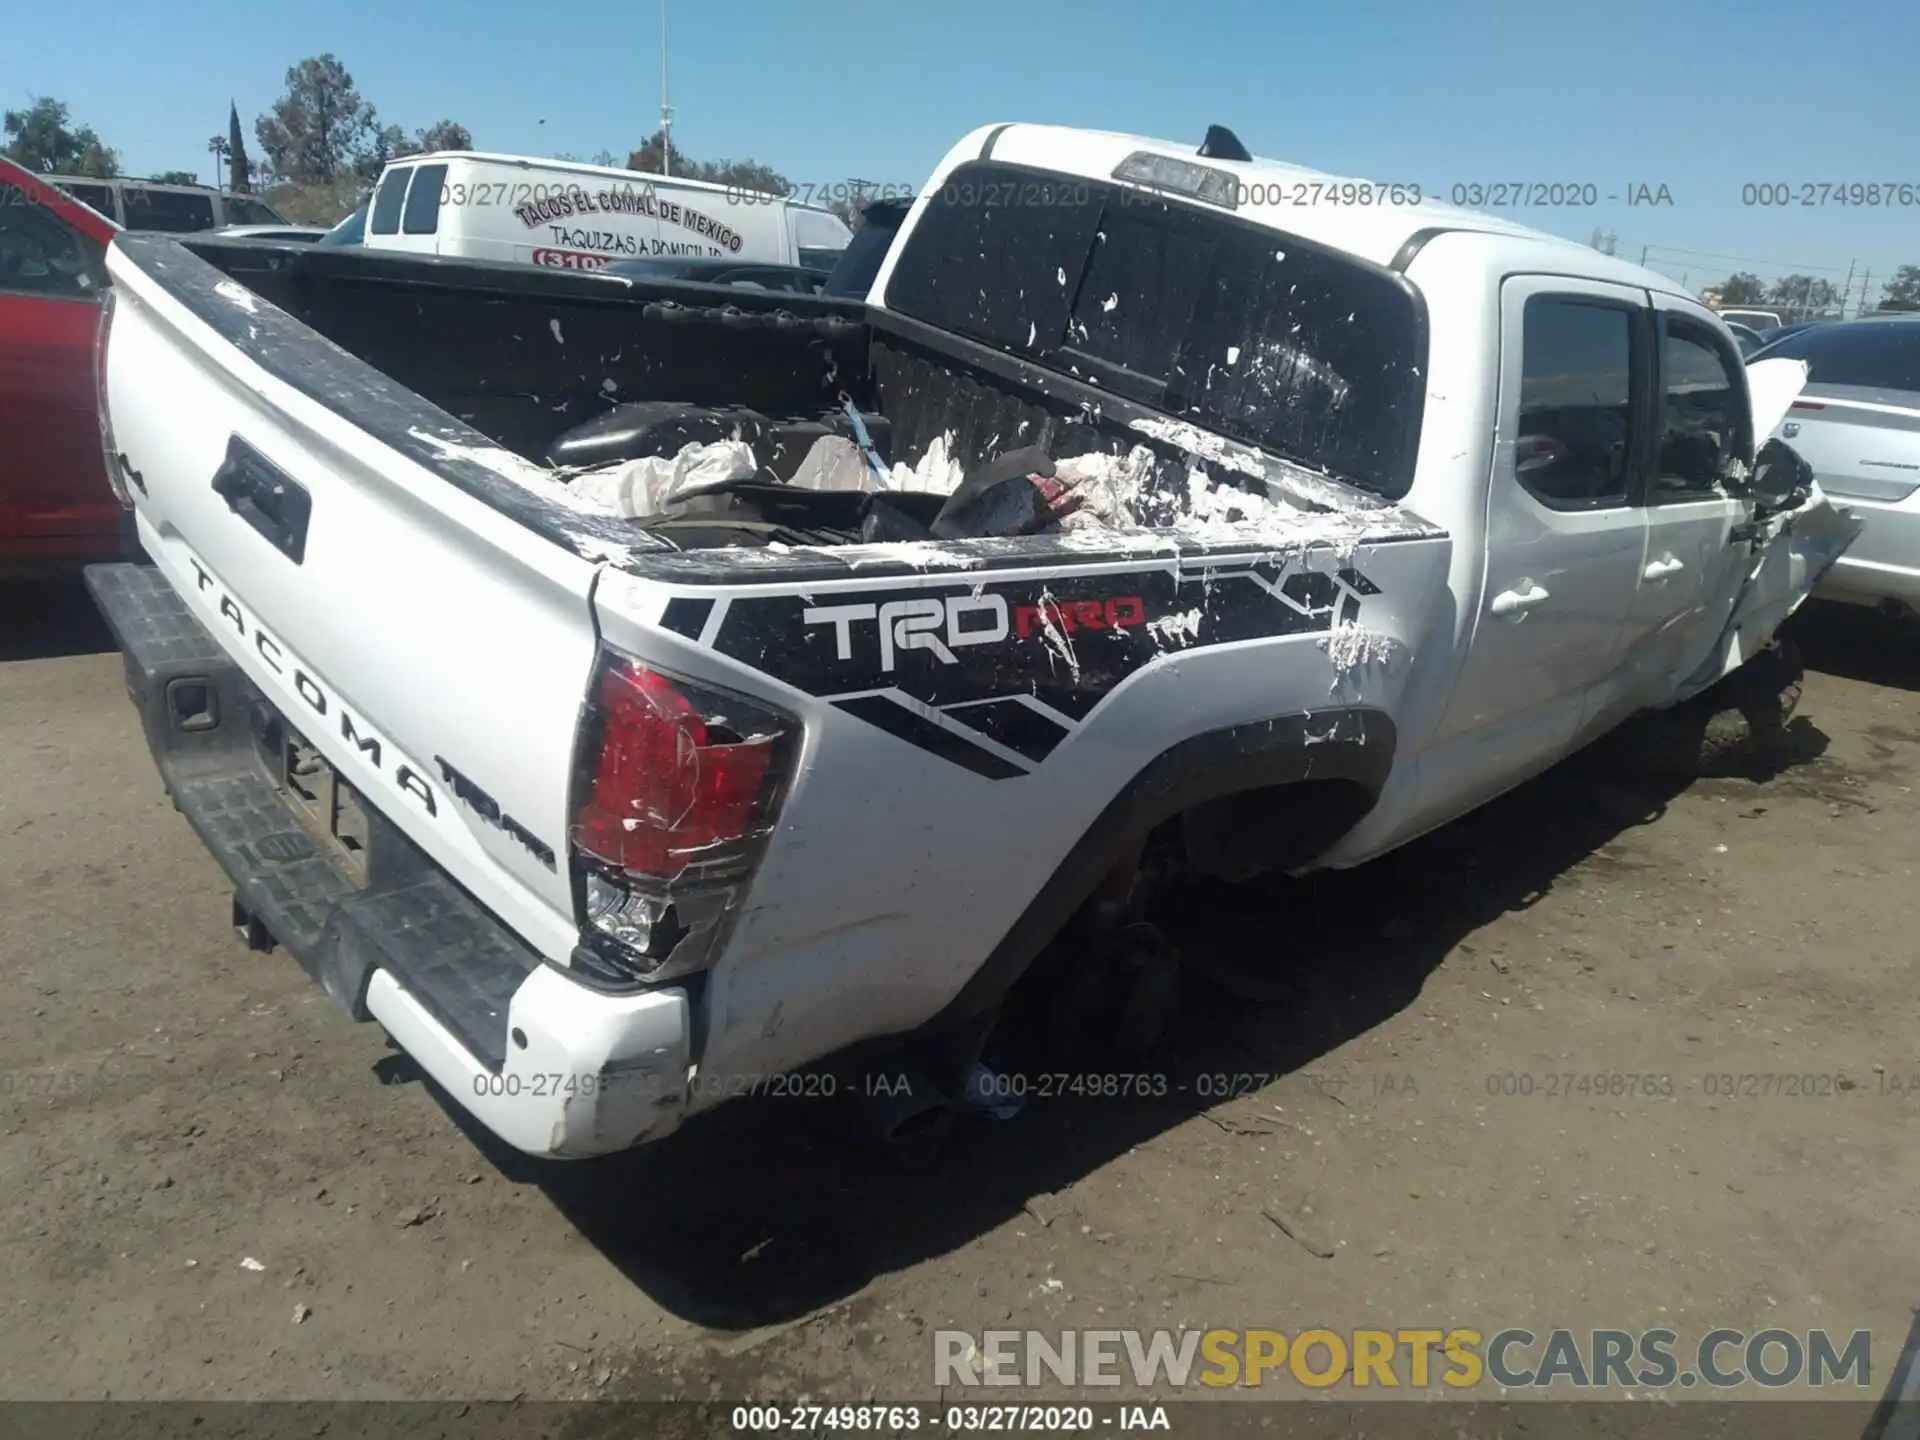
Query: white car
x=1858 y=425
x=294 y=234
x=1386 y=508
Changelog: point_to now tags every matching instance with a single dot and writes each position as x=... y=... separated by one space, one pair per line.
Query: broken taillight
x=679 y=786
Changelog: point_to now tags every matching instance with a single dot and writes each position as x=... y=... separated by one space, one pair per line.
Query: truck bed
x=497 y=360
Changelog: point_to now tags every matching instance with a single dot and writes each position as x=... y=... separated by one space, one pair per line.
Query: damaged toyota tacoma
x=626 y=691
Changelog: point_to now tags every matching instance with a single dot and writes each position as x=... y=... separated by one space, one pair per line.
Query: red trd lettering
x=1118 y=613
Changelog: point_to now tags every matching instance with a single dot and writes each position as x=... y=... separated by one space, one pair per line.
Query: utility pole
x=1846 y=291
x=666 y=110
x=1866 y=279
x=1643 y=253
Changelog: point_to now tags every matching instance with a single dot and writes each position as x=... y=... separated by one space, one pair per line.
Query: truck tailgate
x=433 y=648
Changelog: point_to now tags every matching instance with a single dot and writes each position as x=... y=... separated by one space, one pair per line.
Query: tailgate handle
x=266 y=497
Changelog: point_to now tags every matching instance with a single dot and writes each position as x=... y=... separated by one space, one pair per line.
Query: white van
x=581 y=217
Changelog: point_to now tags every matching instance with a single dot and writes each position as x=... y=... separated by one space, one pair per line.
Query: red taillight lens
x=681 y=776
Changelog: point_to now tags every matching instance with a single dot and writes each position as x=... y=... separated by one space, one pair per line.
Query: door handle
x=268 y=499
x=1663 y=568
x=1514 y=604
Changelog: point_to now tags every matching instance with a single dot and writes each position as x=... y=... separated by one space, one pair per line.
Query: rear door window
x=422 y=214
x=388 y=199
x=1244 y=330
x=245 y=210
x=1573 y=446
x=177 y=211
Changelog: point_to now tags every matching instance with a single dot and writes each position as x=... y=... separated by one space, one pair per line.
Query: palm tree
x=217 y=147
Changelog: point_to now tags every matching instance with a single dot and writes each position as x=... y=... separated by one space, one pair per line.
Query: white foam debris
x=921 y=554
x=1354 y=647
x=1233 y=354
x=1245 y=460
x=554 y=325
x=508 y=466
x=1110 y=304
x=636 y=489
x=609 y=385
x=1182 y=628
x=1054 y=638
x=1107 y=486
x=937 y=472
x=238 y=295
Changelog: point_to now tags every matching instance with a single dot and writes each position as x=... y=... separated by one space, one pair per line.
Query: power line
x=1792 y=265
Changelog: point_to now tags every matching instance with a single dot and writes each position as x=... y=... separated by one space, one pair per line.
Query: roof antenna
x=1222 y=144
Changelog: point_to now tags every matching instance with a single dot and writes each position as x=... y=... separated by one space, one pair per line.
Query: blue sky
x=1685 y=94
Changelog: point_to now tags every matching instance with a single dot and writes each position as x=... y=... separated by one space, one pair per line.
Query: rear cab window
x=98 y=198
x=1252 y=333
x=388 y=200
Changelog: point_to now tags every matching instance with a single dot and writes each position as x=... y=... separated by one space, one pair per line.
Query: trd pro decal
x=994 y=676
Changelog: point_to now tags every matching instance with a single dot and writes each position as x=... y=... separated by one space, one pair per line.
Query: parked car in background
x=569 y=216
x=853 y=273
x=149 y=205
x=795 y=279
x=56 y=507
x=1748 y=337
x=1775 y=333
x=350 y=231
x=1757 y=319
x=293 y=234
x=1858 y=424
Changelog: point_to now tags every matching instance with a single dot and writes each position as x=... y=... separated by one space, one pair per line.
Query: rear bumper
x=1884 y=563
x=550 y=1066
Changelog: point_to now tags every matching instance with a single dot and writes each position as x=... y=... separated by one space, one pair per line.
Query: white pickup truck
x=604 y=819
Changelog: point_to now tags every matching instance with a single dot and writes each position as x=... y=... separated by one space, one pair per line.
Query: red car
x=56 y=508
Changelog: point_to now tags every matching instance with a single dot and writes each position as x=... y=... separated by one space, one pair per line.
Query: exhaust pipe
x=905 y=1106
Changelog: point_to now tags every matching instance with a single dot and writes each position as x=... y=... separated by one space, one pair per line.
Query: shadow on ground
x=766 y=1210
x=1855 y=643
x=45 y=619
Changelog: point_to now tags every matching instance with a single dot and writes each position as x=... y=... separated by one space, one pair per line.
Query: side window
x=422 y=215
x=1574 y=443
x=42 y=256
x=175 y=211
x=1704 y=421
x=98 y=197
x=385 y=219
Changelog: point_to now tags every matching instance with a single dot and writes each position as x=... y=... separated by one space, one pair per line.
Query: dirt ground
x=213 y=1185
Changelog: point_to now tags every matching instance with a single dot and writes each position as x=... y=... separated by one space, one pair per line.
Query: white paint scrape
x=238 y=295
x=509 y=466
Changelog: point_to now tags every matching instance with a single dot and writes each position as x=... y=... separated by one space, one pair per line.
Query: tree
x=746 y=174
x=218 y=147
x=387 y=143
x=1902 y=292
x=176 y=177
x=445 y=135
x=652 y=150
x=321 y=128
x=39 y=138
x=240 y=178
x=1742 y=288
x=1803 y=293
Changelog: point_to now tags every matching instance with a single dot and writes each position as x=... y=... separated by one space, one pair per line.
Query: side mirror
x=1781 y=479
